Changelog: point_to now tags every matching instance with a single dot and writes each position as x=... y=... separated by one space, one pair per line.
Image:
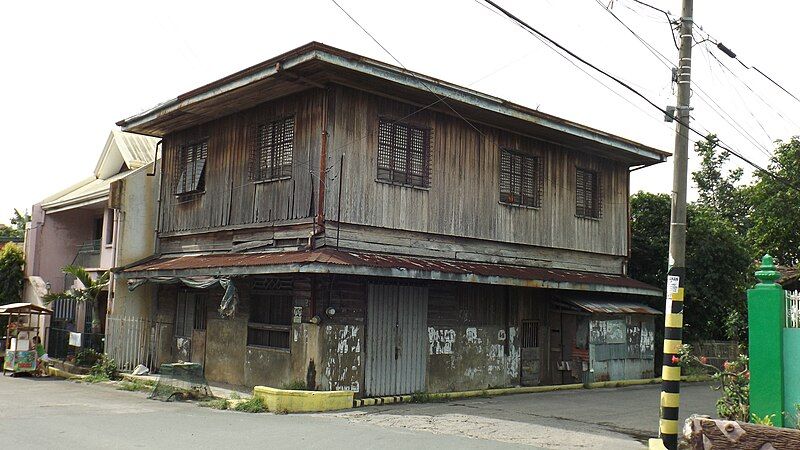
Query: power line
x=722 y=145
x=438 y=97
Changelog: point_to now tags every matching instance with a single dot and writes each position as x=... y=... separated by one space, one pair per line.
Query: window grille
x=271 y=150
x=587 y=194
x=270 y=319
x=190 y=313
x=529 y=334
x=192 y=167
x=403 y=154
x=520 y=179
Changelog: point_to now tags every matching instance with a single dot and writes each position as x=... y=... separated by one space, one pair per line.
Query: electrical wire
x=530 y=29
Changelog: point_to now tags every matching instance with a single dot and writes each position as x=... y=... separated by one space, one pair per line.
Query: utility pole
x=673 y=314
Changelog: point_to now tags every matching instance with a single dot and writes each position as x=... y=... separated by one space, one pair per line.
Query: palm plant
x=88 y=294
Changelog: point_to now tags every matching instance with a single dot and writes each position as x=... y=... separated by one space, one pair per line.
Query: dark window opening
x=97 y=230
x=270 y=317
x=529 y=334
x=403 y=154
x=192 y=168
x=520 y=179
x=587 y=194
x=271 y=154
x=190 y=313
x=109 y=222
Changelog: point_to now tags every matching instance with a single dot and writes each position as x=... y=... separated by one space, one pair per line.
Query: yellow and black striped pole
x=668 y=425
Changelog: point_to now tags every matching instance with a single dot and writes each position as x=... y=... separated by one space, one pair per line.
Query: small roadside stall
x=23 y=321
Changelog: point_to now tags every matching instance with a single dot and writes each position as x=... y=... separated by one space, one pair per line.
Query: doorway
x=396 y=338
x=191 y=315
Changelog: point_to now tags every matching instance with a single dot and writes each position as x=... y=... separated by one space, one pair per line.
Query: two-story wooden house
x=388 y=233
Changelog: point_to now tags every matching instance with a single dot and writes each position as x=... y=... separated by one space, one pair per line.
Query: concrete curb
x=388 y=400
x=291 y=401
x=58 y=373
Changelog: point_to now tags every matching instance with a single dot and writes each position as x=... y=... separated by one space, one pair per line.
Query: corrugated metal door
x=396 y=337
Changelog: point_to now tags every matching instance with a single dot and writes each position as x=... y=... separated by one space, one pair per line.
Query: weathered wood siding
x=463 y=198
x=230 y=198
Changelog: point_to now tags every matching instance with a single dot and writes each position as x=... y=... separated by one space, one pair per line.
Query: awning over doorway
x=609 y=307
x=328 y=260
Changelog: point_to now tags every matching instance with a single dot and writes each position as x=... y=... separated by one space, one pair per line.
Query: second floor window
x=404 y=153
x=587 y=194
x=271 y=155
x=520 y=179
x=192 y=168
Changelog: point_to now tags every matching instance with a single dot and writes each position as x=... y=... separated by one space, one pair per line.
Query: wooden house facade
x=381 y=231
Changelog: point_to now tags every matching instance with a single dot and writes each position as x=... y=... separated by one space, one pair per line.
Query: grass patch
x=95 y=378
x=423 y=397
x=251 y=405
x=133 y=386
x=217 y=403
x=296 y=385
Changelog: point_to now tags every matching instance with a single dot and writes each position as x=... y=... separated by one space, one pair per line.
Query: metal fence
x=58 y=343
x=133 y=341
x=792 y=309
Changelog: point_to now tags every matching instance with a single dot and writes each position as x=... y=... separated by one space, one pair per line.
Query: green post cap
x=767 y=274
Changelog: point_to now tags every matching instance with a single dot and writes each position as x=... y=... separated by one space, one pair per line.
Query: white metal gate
x=396 y=337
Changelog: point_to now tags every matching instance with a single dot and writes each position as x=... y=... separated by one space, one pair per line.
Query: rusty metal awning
x=327 y=260
x=610 y=307
x=24 y=308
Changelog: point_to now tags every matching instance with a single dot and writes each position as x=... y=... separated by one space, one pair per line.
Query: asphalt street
x=54 y=413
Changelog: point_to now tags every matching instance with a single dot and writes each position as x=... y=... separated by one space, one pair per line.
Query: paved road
x=52 y=413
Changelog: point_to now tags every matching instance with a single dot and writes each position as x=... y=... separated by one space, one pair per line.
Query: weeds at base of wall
x=296 y=385
x=133 y=386
x=217 y=403
x=251 y=405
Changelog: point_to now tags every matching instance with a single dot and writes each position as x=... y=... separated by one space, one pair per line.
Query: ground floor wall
x=351 y=333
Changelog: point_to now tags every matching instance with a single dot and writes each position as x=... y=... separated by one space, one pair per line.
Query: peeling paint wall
x=341 y=368
x=621 y=347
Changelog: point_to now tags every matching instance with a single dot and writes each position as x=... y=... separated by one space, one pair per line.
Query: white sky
x=71 y=70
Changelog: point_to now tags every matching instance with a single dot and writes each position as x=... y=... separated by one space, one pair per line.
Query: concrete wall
x=466 y=358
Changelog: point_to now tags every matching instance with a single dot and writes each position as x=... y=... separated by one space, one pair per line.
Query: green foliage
x=12 y=261
x=776 y=207
x=717 y=258
x=251 y=405
x=421 y=397
x=217 y=403
x=297 y=385
x=88 y=294
x=87 y=357
x=133 y=386
x=17 y=228
x=105 y=367
x=733 y=380
x=766 y=420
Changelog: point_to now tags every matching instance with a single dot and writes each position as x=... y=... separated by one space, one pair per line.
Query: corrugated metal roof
x=22 y=308
x=611 y=307
x=137 y=150
x=210 y=264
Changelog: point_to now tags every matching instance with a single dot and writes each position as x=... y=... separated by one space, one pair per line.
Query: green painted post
x=766 y=316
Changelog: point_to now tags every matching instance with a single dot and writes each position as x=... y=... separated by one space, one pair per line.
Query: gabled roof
x=316 y=64
x=122 y=154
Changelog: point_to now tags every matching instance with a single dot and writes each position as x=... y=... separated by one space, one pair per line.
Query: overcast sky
x=70 y=71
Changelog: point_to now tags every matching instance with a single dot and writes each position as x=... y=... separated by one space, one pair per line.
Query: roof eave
x=350 y=61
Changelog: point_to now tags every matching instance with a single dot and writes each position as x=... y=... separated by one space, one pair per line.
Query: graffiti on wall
x=440 y=342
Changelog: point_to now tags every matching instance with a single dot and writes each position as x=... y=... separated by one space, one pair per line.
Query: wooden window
x=190 y=313
x=271 y=150
x=192 y=168
x=587 y=194
x=529 y=334
x=270 y=314
x=403 y=154
x=520 y=179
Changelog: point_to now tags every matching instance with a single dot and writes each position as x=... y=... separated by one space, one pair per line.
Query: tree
x=717 y=259
x=17 y=228
x=721 y=192
x=88 y=294
x=12 y=262
x=776 y=206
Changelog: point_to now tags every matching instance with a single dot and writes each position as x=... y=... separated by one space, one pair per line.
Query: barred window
x=190 y=313
x=192 y=167
x=520 y=179
x=587 y=194
x=403 y=154
x=270 y=319
x=529 y=334
x=271 y=150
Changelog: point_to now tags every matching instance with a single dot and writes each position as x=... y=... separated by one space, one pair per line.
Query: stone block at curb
x=291 y=401
x=54 y=372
